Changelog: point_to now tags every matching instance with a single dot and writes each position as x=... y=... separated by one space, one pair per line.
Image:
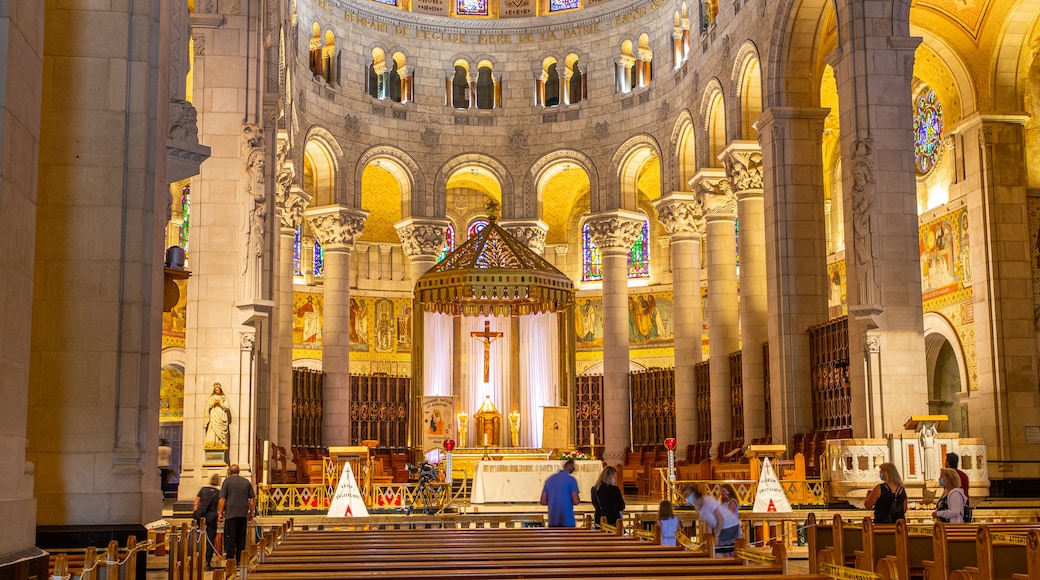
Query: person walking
x=561 y=494
x=888 y=498
x=729 y=513
x=206 y=509
x=607 y=498
x=950 y=507
x=235 y=509
x=709 y=512
x=667 y=523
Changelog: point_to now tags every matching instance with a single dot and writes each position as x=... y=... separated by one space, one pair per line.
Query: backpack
x=897 y=510
x=967 y=512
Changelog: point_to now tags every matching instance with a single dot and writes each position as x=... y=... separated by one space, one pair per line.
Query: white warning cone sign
x=770 y=496
x=347 y=503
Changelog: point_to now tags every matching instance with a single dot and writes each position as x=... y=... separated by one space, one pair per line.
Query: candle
x=485 y=440
x=592 y=445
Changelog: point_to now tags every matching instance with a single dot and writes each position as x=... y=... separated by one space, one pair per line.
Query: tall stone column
x=873 y=67
x=422 y=240
x=336 y=228
x=531 y=232
x=743 y=161
x=680 y=214
x=1000 y=274
x=720 y=214
x=613 y=232
x=796 y=257
x=292 y=200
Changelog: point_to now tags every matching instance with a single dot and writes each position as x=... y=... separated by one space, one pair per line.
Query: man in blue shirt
x=560 y=493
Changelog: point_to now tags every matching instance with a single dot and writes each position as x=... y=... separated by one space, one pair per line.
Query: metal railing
x=805 y=492
x=316 y=497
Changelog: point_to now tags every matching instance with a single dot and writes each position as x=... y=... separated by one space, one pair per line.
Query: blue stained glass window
x=387 y=2
x=475 y=228
x=319 y=260
x=296 y=247
x=471 y=7
x=555 y=5
x=638 y=256
x=449 y=242
x=928 y=129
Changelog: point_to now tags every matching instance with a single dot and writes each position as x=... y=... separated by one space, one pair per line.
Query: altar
x=522 y=481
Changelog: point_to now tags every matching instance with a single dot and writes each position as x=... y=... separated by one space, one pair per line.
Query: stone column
x=743 y=161
x=1000 y=275
x=422 y=240
x=613 y=232
x=530 y=232
x=336 y=228
x=796 y=257
x=291 y=202
x=873 y=67
x=720 y=214
x=680 y=214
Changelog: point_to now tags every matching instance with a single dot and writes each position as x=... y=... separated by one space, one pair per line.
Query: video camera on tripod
x=425 y=471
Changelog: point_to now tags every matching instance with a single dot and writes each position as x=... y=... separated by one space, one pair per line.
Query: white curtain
x=472 y=388
x=539 y=373
x=437 y=354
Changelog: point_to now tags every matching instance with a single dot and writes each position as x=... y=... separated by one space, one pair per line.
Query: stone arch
x=791 y=79
x=966 y=86
x=492 y=165
x=683 y=148
x=597 y=368
x=623 y=191
x=745 y=93
x=407 y=172
x=325 y=155
x=543 y=169
x=938 y=333
x=1014 y=58
x=712 y=136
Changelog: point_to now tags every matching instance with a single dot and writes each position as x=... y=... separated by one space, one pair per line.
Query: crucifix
x=486 y=337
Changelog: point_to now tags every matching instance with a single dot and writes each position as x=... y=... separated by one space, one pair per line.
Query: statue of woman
x=218 y=420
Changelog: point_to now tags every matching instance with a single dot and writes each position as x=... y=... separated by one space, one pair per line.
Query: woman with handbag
x=606 y=497
x=205 y=508
x=950 y=507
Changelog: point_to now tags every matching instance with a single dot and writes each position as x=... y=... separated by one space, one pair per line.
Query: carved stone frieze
x=421 y=238
x=615 y=230
x=336 y=227
x=744 y=168
x=680 y=214
x=530 y=232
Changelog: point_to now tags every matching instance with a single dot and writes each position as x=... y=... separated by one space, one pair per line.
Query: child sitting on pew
x=951 y=505
x=667 y=523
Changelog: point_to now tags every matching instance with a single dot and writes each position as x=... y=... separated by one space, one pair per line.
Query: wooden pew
x=846 y=539
x=879 y=541
x=954 y=547
x=913 y=548
x=1003 y=554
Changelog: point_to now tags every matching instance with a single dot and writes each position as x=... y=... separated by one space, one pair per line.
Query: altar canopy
x=497 y=322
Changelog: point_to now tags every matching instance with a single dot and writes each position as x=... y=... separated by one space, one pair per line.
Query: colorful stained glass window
x=555 y=5
x=319 y=260
x=449 y=242
x=471 y=7
x=928 y=128
x=475 y=228
x=387 y=2
x=185 y=216
x=638 y=256
x=296 y=247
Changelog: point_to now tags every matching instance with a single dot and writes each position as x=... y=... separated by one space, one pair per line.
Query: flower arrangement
x=576 y=455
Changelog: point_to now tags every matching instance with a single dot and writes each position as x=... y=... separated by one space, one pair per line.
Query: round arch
x=322 y=155
x=684 y=150
x=945 y=356
x=544 y=169
x=405 y=170
x=627 y=161
x=791 y=78
x=1014 y=57
x=745 y=93
x=713 y=138
x=495 y=167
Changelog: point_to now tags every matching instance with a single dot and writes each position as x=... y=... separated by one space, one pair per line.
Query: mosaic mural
x=173 y=322
x=650 y=319
x=171 y=394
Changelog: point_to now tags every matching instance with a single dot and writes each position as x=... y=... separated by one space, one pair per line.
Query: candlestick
x=592 y=445
x=485 y=440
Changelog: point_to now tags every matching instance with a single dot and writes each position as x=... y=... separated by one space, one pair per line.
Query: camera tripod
x=423 y=495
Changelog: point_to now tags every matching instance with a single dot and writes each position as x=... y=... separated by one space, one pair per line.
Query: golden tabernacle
x=488 y=423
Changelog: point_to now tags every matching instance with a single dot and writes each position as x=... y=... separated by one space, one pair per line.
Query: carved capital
x=421 y=237
x=715 y=193
x=530 y=232
x=680 y=214
x=743 y=162
x=615 y=230
x=184 y=122
x=336 y=227
x=247 y=340
x=292 y=207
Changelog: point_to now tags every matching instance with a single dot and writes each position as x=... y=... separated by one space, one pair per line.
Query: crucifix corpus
x=486 y=337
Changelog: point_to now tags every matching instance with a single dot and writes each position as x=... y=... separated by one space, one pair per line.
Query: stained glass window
x=555 y=5
x=449 y=242
x=928 y=128
x=296 y=247
x=388 y=2
x=638 y=256
x=475 y=228
x=185 y=216
x=471 y=7
x=319 y=260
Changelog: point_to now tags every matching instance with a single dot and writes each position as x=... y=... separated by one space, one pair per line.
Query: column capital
x=681 y=215
x=715 y=194
x=291 y=206
x=743 y=161
x=422 y=238
x=615 y=230
x=530 y=232
x=336 y=227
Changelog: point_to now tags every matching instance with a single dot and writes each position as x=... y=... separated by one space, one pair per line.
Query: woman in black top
x=606 y=497
x=888 y=498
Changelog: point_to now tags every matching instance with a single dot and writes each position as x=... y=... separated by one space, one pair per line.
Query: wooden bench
x=845 y=539
x=955 y=548
x=1002 y=552
x=879 y=541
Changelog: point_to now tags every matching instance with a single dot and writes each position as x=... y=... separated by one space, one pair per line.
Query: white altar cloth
x=522 y=481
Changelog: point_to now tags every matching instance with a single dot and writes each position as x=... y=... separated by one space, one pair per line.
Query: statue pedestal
x=215 y=458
